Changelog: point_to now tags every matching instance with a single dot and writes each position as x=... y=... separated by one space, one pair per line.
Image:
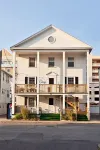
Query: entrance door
x=51 y=87
x=51 y=80
x=51 y=105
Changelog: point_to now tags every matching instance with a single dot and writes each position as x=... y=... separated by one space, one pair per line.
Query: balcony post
x=13 y=83
x=87 y=73
x=63 y=82
x=63 y=72
x=38 y=57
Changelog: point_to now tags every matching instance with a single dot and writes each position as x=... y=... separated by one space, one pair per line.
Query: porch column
x=37 y=103
x=38 y=57
x=63 y=72
x=13 y=83
x=63 y=82
x=38 y=72
x=88 y=102
x=63 y=104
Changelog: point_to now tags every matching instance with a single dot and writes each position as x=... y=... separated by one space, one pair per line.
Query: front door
x=51 y=86
x=51 y=105
x=51 y=80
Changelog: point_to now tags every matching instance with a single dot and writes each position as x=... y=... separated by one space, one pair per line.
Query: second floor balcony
x=51 y=88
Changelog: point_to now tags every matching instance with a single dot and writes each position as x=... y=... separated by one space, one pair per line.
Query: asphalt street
x=57 y=137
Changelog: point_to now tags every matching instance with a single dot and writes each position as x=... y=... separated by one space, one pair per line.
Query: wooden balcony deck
x=52 y=88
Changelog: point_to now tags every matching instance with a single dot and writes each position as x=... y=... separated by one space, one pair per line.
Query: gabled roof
x=32 y=36
x=84 y=45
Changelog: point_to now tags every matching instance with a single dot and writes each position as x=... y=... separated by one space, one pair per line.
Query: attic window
x=51 y=39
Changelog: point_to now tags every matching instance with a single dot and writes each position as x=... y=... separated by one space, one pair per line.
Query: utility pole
x=99 y=89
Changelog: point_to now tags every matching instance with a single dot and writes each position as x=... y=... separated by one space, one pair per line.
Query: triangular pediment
x=51 y=37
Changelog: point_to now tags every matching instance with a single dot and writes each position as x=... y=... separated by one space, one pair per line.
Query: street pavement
x=50 y=137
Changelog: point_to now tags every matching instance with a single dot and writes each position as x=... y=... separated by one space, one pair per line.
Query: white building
x=5 y=91
x=94 y=84
x=52 y=68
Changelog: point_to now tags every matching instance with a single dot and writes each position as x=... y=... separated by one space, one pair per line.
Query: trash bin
x=9 y=110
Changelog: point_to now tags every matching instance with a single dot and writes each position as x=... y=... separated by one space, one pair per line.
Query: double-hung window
x=70 y=80
x=70 y=61
x=51 y=62
x=32 y=62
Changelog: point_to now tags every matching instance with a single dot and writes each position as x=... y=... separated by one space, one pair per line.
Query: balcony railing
x=76 y=88
x=52 y=88
x=26 y=88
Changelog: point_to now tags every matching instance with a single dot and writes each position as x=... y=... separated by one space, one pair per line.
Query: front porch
x=52 y=104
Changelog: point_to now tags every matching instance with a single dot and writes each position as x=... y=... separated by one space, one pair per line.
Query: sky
x=22 y=18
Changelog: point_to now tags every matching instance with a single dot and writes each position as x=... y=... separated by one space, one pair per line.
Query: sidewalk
x=4 y=121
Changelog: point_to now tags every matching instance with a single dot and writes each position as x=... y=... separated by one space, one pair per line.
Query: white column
x=88 y=102
x=37 y=103
x=38 y=82
x=63 y=72
x=63 y=82
x=13 y=83
x=63 y=104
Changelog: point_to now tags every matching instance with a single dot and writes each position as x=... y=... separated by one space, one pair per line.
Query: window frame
x=51 y=61
x=71 y=61
x=31 y=62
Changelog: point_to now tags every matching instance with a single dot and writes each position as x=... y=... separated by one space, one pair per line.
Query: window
x=7 y=93
x=31 y=80
x=90 y=92
x=8 y=70
x=96 y=87
x=70 y=80
x=31 y=61
x=96 y=92
x=31 y=102
x=51 y=62
x=70 y=61
x=96 y=98
x=50 y=101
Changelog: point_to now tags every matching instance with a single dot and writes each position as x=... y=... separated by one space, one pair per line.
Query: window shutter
x=76 y=80
x=65 y=80
x=25 y=101
x=26 y=80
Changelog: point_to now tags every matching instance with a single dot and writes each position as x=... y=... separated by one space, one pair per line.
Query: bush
x=82 y=117
x=25 y=113
x=50 y=117
x=32 y=116
x=18 y=116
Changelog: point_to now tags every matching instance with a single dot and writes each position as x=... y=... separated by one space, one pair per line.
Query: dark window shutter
x=76 y=80
x=26 y=80
x=65 y=80
x=36 y=80
x=25 y=101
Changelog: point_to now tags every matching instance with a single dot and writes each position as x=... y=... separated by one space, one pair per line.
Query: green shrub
x=82 y=117
x=24 y=112
x=18 y=116
x=50 y=117
x=32 y=116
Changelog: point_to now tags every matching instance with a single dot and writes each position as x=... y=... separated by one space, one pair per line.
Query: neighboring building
x=94 y=85
x=5 y=91
x=52 y=72
x=7 y=63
